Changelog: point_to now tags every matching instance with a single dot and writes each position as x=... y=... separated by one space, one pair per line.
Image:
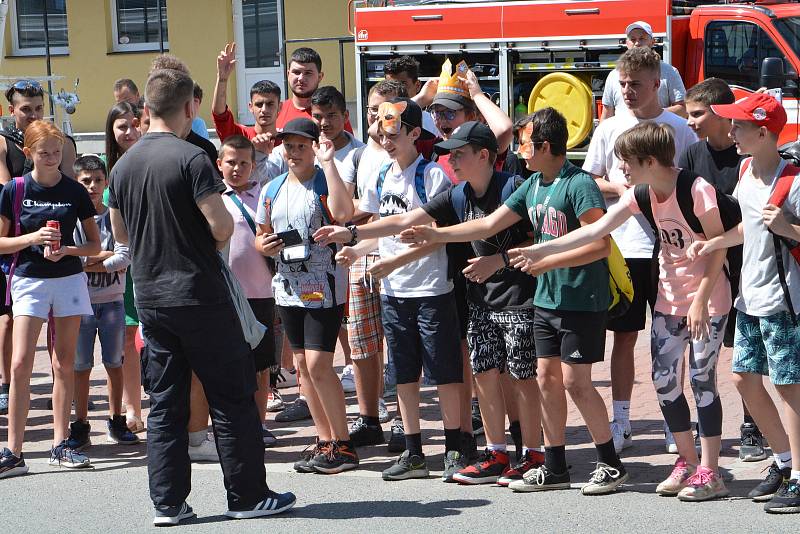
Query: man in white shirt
x=671 y=92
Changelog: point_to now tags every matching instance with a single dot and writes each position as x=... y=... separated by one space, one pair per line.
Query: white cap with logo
x=641 y=25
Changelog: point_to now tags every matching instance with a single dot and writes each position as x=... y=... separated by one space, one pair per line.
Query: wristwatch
x=353 y=232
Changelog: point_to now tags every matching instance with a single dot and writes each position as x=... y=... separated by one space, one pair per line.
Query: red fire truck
x=531 y=53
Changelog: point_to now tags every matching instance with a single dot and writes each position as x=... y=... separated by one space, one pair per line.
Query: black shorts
x=311 y=328
x=264 y=353
x=574 y=336
x=644 y=293
x=462 y=308
x=420 y=333
x=4 y=310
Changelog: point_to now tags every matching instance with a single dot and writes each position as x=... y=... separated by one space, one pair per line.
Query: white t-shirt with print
x=426 y=277
x=634 y=237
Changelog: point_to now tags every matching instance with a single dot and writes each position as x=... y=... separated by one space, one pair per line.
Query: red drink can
x=55 y=246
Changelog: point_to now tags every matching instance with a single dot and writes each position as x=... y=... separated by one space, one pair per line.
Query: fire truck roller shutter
x=570 y=96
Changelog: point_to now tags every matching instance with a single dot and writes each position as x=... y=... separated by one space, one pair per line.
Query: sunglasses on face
x=446 y=114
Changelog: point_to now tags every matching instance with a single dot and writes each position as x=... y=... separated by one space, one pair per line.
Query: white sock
x=197 y=438
x=526 y=450
x=622 y=411
x=795 y=475
x=783 y=459
x=501 y=447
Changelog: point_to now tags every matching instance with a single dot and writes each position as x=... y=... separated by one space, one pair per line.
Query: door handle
x=586 y=11
x=417 y=18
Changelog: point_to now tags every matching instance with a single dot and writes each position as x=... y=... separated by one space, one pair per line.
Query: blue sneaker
x=63 y=456
x=167 y=516
x=78 y=439
x=10 y=465
x=3 y=403
x=274 y=503
x=119 y=433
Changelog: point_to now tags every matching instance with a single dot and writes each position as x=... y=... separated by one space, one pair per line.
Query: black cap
x=452 y=101
x=302 y=127
x=411 y=115
x=469 y=133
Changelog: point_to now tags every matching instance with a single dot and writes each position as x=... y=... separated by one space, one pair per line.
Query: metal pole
x=160 y=28
x=341 y=65
x=47 y=61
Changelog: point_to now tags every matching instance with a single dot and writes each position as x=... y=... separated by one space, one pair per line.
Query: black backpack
x=729 y=212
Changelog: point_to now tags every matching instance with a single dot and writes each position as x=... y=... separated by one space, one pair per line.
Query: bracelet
x=354 y=233
x=506 y=261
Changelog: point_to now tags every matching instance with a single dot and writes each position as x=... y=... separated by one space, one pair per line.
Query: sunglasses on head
x=25 y=85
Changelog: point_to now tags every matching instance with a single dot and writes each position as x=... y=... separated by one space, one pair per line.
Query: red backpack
x=777 y=199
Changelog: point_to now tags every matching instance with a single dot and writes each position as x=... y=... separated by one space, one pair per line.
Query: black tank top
x=16 y=162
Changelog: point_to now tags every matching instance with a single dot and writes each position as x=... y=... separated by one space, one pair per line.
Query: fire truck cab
x=530 y=54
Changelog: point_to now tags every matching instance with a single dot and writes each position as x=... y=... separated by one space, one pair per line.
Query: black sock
x=452 y=439
x=5 y=388
x=607 y=454
x=749 y=419
x=555 y=459
x=414 y=444
x=347 y=443
x=370 y=421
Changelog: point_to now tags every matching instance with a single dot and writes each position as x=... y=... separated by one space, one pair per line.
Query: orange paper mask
x=525 y=150
x=390 y=116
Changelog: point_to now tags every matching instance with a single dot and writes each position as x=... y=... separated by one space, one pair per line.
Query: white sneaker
x=348 y=379
x=287 y=378
x=205 y=452
x=274 y=401
x=622 y=436
x=669 y=440
x=383 y=412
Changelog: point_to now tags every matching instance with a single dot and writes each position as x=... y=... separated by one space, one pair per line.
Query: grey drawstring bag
x=252 y=329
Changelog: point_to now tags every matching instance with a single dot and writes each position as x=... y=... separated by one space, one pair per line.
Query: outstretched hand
x=419 y=236
x=226 y=60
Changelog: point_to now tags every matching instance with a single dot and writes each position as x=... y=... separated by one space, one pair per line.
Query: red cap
x=760 y=108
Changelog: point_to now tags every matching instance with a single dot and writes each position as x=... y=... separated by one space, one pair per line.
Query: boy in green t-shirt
x=571 y=298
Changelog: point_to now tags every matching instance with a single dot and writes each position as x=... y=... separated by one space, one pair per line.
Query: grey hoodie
x=108 y=286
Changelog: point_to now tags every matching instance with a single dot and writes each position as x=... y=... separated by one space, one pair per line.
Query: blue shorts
x=423 y=332
x=768 y=346
x=108 y=322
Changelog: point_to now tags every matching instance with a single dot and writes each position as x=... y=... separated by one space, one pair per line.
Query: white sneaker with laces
x=383 y=412
x=205 y=452
x=622 y=436
x=348 y=379
x=274 y=401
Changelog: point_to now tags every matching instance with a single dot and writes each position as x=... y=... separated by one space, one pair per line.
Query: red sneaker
x=528 y=462
x=488 y=468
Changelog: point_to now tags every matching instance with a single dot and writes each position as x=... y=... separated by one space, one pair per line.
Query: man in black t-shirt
x=165 y=203
x=716 y=159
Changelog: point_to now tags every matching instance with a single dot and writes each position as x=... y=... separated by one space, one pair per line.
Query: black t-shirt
x=719 y=167
x=156 y=187
x=66 y=202
x=207 y=146
x=510 y=289
x=514 y=165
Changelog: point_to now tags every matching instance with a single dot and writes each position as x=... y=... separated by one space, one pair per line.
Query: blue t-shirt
x=66 y=202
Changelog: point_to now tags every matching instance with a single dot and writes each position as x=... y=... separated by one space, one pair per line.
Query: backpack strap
x=19 y=196
x=778 y=198
x=273 y=187
x=776 y=240
x=382 y=177
x=237 y=201
x=320 y=186
x=683 y=193
x=458 y=200
x=744 y=166
x=419 y=180
x=783 y=186
x=641 y=193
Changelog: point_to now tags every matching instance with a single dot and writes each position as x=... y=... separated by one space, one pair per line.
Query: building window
x=27 y=20
x=135 y=25
x=261 y=44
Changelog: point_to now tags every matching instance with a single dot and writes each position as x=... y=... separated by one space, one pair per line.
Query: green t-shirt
x=571 y=194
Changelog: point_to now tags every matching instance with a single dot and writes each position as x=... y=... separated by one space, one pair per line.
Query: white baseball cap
x=641 y=25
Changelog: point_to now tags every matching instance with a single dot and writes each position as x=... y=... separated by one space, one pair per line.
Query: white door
x=258 y=30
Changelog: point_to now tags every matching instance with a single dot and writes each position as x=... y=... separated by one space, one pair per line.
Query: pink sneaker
x=676 y=480
x=703 y=485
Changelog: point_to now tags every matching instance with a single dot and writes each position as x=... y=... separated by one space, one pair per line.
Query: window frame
x=18 y=51
x=709 y=71
x=116 y=46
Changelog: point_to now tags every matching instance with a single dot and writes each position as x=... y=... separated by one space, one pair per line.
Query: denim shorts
x=107 y=322
x=423 y=332
x=67 y=296
x=767 y=346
